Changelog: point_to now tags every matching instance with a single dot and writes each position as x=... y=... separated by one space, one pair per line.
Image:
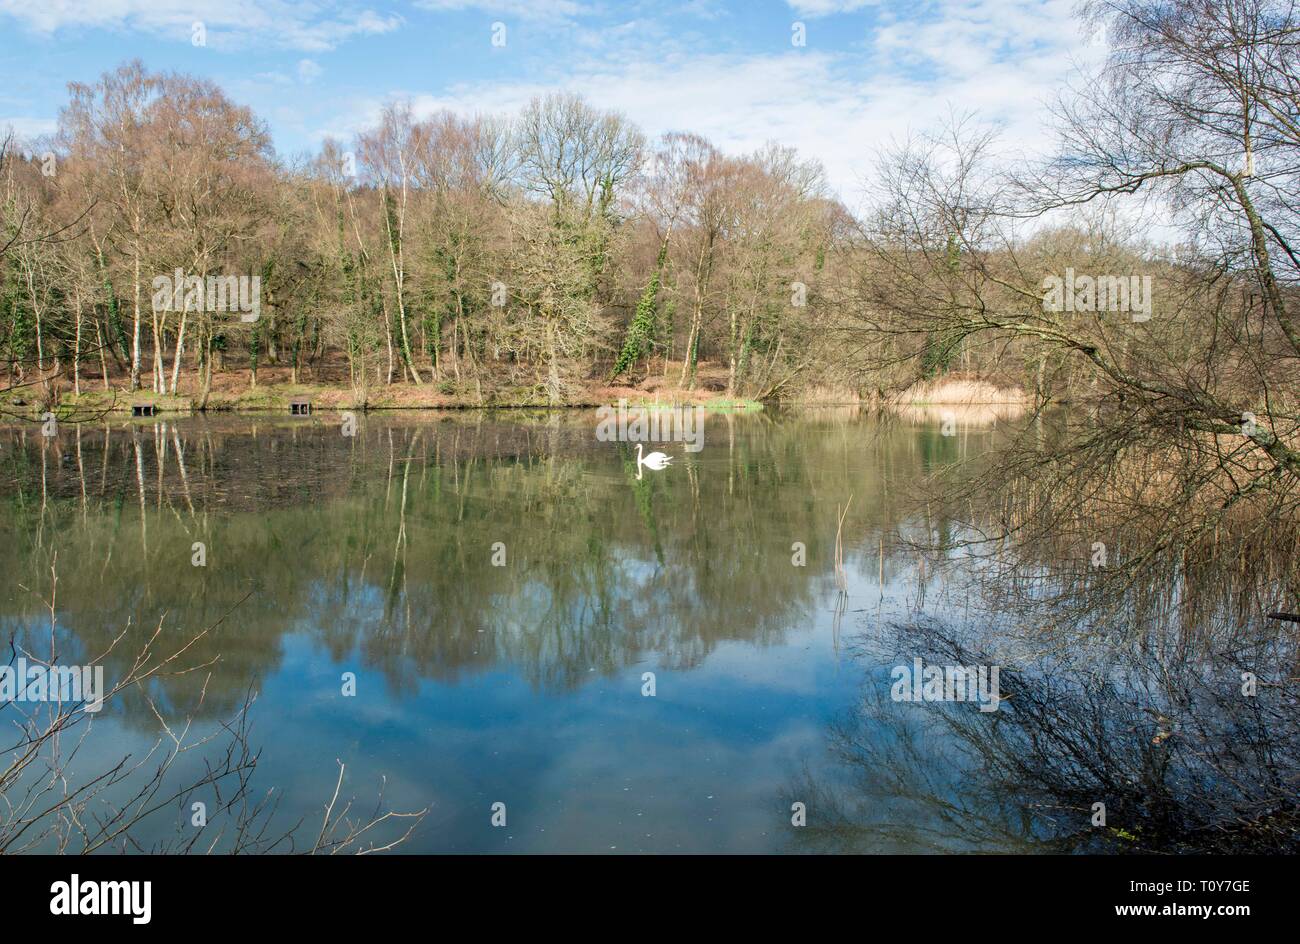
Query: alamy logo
x=241 y=294
x=37 y=681
x=1128 y=293
x=920 y=682
x=102 y=898
x=643 y=424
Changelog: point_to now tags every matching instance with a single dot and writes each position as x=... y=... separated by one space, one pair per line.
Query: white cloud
x=524 y=9
x=24 y=129
x=308 y=71
x=812 y=8
x=230 y=24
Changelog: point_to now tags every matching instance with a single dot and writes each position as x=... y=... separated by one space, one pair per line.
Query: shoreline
x=277 y=398
x=124 y=408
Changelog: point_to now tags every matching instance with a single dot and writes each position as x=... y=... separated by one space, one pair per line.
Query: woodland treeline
x=541 y=250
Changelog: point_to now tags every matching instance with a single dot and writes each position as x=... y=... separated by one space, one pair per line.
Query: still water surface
x=523 y=683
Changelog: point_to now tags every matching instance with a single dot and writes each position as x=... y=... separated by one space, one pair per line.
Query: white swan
x=656 y=461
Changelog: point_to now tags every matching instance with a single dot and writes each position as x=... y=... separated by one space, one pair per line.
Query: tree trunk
x=180 y=346
x=76 y=351
x=206 y=370
x=135 y=327
x=703 y=268
x=103 y=361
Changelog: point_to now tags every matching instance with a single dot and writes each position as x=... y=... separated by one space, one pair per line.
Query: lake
x=469 y=609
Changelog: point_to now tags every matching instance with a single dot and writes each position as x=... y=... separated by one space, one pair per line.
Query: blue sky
x=871 y=70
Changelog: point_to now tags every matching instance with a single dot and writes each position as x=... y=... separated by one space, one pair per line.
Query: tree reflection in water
x=1182 y=760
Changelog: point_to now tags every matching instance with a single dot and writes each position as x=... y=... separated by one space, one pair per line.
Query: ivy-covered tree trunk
x=115 y=328
x=641 y=332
